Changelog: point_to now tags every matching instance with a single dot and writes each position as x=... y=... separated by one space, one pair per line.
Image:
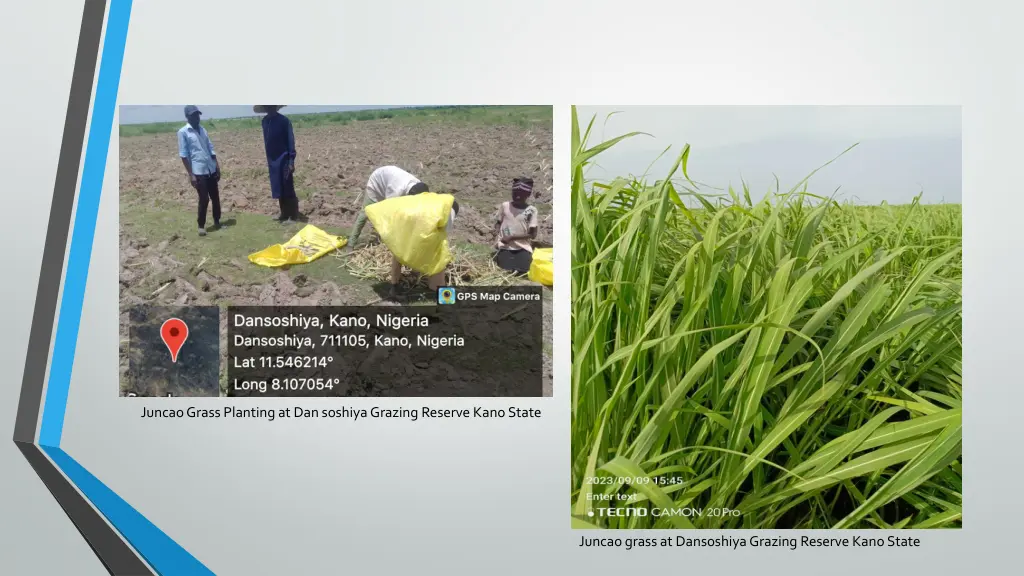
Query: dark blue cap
x=190 y=110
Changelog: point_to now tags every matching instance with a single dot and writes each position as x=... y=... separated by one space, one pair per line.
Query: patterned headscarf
x=522 y=185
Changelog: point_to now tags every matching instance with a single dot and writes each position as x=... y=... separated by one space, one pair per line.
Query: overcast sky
x=902 y=151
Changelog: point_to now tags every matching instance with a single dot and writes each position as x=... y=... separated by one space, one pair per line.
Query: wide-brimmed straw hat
x=264 y=108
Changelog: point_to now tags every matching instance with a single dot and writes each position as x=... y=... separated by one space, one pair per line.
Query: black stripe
x=115 y=555
x=58 y=229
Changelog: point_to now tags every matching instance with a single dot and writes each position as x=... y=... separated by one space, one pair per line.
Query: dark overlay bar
x=474 y=342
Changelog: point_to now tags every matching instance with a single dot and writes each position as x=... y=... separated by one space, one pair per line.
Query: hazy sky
x=902 y=151
x=131 y=114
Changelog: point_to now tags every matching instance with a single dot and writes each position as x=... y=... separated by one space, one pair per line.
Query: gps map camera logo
x=446 y=295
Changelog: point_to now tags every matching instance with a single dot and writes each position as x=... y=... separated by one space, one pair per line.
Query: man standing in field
x=200 y=160
x=279 y=141
x=385 y=182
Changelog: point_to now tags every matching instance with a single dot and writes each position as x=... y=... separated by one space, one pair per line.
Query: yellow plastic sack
x=413 y=228
x=306 y=246
x=542 y=269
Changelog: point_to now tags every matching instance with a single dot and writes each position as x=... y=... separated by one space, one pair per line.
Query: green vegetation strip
x=521 y=116
x=788 y=363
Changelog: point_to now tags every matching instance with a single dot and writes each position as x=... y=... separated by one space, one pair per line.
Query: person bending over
x=385 y=182
x=433 y=282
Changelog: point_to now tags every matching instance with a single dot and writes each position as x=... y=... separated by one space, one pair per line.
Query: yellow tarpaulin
x=306 y=246
x=542 y=269
x=413 y=228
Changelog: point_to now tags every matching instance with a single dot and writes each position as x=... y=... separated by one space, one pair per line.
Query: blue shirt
x=196 y=146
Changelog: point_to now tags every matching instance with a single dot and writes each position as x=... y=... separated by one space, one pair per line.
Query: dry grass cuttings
x=466 y=269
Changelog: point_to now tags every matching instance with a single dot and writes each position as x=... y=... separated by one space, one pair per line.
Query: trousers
x=209 y=192
x=289 y=208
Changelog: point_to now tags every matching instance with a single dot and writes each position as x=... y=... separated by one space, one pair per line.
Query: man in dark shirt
x=279 y=140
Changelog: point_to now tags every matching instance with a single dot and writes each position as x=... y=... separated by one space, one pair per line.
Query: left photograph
x=282 y=250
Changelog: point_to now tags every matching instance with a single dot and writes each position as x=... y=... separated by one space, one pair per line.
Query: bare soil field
x=163 y=261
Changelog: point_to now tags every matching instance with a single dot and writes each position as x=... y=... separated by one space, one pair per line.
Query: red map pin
x=174 y=333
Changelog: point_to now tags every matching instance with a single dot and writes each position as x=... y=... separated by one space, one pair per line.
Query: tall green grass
x=787 y=363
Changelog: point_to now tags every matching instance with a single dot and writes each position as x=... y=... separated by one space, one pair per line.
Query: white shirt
x=389 y=182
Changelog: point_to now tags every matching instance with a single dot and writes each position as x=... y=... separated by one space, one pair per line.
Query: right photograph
x=766 y=317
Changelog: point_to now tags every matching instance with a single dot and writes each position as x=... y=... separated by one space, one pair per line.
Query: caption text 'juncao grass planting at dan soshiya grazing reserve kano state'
x=788 y=363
